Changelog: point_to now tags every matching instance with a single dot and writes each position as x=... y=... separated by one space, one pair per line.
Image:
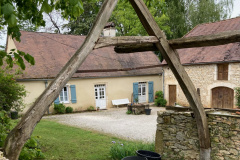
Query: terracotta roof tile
x=52 y=51
x=223 y=53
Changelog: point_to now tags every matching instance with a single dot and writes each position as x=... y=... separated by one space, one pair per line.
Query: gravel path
x=115 y=122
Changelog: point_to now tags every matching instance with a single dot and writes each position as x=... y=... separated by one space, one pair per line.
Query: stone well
x=177 y=137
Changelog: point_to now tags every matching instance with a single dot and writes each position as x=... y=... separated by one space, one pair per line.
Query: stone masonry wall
x=203 y=77
x=177 y=137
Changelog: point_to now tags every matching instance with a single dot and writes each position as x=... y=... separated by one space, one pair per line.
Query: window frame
x=67 y=95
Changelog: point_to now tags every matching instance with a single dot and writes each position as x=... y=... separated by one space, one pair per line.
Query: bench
x=117 y=102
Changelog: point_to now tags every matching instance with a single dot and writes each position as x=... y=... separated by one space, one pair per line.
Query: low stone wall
x=177 y=137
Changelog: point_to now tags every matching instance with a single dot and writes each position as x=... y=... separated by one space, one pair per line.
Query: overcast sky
x=235 y=13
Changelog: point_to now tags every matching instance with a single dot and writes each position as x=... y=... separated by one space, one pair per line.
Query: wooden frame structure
x=19 y=135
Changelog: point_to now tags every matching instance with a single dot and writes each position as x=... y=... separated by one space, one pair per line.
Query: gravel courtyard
x=115 y=122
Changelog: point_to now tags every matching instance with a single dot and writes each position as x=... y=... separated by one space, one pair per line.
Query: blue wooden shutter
x=57 y=100
x=73 y=94
x=150 y=91
x=135 y=91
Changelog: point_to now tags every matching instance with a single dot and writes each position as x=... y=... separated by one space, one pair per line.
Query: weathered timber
x=187 y=42
x=206 y=40
x=116 y=70
x=113 y=41
x=171 y=56
x=19 y=135
x=135 y=48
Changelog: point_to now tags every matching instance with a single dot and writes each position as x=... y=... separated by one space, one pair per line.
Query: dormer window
x=222 y=71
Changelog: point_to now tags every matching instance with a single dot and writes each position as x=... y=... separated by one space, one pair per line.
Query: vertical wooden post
x=172 y=58
x=22 y=132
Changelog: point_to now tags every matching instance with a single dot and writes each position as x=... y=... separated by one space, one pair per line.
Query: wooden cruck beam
x=19 y=135
x=171 y=57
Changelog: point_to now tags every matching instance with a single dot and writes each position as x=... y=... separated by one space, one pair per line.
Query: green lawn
x=69 y=143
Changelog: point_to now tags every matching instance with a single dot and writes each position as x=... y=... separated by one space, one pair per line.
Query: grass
x=64 y=142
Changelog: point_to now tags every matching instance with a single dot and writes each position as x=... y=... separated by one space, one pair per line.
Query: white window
x=142 y=88
x=64 y=96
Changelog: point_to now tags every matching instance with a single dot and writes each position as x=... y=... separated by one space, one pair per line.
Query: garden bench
x=117 y=102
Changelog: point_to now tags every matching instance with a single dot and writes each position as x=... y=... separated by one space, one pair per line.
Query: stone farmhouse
x=104 y=76
x=215 y=70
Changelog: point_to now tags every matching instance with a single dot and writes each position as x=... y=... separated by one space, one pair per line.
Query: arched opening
x=222 y=97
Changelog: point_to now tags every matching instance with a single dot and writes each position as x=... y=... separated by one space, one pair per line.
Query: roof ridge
x=53 y=33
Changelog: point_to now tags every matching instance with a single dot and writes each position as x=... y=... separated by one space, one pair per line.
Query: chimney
x=109 y=30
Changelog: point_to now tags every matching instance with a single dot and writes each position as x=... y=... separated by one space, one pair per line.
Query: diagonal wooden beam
x=125 y=40
x=171 y=56
x=19 y=135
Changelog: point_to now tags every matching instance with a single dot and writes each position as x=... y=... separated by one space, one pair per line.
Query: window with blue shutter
x=57 y=100
x=150 y=91
x=73 y=94
x=135 y=91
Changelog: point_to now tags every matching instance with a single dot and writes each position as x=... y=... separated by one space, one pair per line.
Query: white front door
x=100 y=96
x=141 y=92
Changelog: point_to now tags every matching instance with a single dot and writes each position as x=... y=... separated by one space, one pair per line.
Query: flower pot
x=148 y=111
x=149 y=155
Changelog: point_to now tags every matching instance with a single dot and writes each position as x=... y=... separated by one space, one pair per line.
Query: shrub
x=91 y=108
x=11 y=92
x=129 y=112
x=69 y=110
x=159 y=100
x=59 y=108
x=5 y=124
x=158 y=94
x=31 y=150
x=237 y=96
x=119 y=150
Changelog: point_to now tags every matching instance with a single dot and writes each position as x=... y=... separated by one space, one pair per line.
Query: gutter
x=163 y=83
x=23 y=80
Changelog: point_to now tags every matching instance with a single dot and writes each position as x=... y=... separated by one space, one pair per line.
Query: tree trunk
x=22 y=132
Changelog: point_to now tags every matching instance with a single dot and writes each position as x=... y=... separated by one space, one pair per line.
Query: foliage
x=59 y=108
x=69 y=109
x=159 y=99
x=237 y=96
x=91 y=108
x=160 y=102
x=128 y=24
x=5 y=124
x=84 y=22
x=121 y=150
x=129 y=112
x=184 y=15
x=11 y=92
x=16 y=13
x=32 y=150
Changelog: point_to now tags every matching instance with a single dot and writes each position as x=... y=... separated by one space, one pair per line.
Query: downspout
x=46 y=84
x=163 y=83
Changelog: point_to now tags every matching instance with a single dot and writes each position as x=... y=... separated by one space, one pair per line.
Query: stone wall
x=177 y=137
x=203 y=77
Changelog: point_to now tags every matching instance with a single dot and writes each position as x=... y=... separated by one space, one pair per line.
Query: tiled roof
x=215 y=54
x=52 y=51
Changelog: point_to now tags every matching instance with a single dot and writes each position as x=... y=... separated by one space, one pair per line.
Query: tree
x=13 y=12
x=84 y=22
x=186 y=14
x=128 y=24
